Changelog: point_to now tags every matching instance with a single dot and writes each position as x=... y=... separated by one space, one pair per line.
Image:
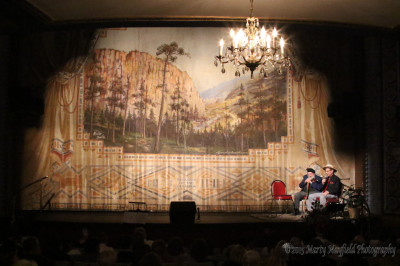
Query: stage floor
x=141 y=217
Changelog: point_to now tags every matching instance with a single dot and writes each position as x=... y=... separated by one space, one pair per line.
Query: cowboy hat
x=330 y=166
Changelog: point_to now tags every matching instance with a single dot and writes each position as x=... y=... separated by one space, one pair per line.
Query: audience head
x=279 y=249
x=199 y=250
x=150 y=259
x=359 y=239
x=296 y=242
x=107 y=257
x=25 y=262
x=31 y=246
x=236 y=253
x=251 y=257
x=138 y=238
x=159 y=247
x=175 y=246
x=142 y=231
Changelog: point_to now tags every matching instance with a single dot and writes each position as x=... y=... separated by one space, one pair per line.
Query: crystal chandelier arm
x=222 y=59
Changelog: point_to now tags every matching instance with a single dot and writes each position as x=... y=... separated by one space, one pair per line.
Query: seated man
x=331 y=188
x=315 y=185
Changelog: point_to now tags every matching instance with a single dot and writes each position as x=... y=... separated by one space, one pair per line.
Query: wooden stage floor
x=141 y=217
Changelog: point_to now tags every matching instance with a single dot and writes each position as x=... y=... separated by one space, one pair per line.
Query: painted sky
x=201 y=43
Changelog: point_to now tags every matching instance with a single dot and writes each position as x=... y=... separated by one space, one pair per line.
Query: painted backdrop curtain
x=220 y=156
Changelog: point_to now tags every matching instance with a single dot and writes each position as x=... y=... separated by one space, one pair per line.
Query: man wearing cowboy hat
x=314 y=184
x=331 y=187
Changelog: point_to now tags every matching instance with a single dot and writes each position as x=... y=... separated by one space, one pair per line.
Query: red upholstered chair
x=278 y=192
x=336 y=200
x=332 y=200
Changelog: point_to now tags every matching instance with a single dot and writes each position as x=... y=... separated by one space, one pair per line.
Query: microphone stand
x=13 y=199
x=32 y=183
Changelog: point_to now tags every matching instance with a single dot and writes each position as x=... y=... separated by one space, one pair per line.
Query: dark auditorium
x=199 y=133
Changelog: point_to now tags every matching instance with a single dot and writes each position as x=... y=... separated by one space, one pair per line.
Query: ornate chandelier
x=253 y=48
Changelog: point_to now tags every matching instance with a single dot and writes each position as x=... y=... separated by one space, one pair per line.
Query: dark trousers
x=297 y=198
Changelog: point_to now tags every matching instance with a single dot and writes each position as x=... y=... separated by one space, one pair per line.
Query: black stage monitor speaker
x=182 y=212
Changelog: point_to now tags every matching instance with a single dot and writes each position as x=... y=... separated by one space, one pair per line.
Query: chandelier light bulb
x=236 y=40
x=221 y=46
x=241 y=38
x=274 y=35
x=263 y=35
x=268 y=41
